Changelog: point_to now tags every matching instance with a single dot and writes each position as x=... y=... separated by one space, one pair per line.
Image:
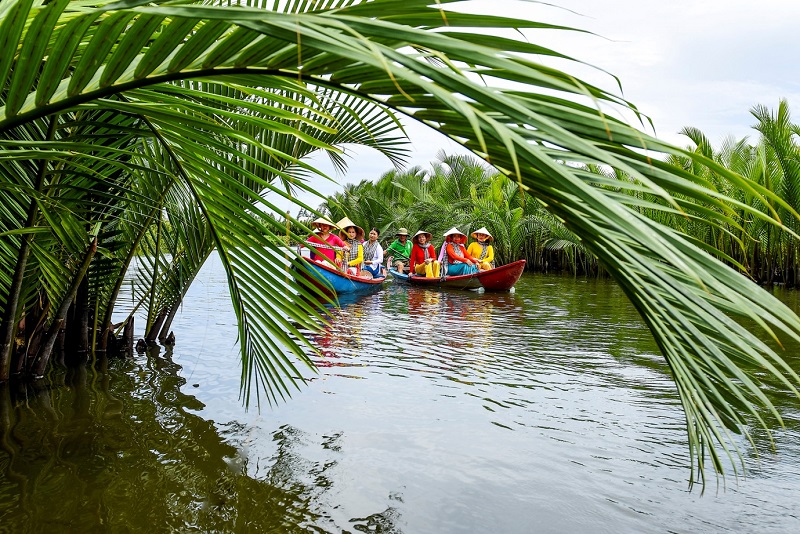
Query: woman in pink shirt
x=327 y=240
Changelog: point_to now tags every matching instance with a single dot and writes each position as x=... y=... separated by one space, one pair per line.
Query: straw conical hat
x=321 y=220
x=347 y=223
x=422 y=232
x=482 y=230
x=454 y=231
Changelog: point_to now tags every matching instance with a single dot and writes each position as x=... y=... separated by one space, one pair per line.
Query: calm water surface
x=543 y=410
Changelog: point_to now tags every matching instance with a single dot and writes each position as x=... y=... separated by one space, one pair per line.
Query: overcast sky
x=700 y=63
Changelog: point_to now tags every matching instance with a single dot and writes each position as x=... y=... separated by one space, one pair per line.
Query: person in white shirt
x=373 y=255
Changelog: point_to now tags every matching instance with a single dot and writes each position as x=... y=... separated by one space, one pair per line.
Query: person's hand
x=346 y=246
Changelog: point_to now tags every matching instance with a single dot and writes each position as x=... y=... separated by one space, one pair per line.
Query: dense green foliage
x=477 y=195
x=464 y=192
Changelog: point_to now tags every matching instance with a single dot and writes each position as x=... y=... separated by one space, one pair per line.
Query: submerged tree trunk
x=162 y=336
x=155 y=328
x=7 y=327
x=39 y=364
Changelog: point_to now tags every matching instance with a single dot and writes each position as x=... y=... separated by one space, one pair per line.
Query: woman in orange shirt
x=458 y=259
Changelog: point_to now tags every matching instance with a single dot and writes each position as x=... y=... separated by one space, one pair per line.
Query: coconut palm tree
x=779 y=136
x=344 y=121
x=88 y=89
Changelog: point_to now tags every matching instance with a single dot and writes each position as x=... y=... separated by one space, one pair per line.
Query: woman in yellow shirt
x=482 y=248
x=353 y=236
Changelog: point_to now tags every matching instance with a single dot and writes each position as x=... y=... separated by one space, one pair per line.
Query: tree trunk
x=82 y=315
x=78 y=349
x=155 y=328
x=8 y=324
x=168 y=323
x=43 y=356
x=127 y=337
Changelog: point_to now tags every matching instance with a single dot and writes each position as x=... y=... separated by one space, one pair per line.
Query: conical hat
x=321 y=220
x=347 y=223
x=422 y=232
x=454 y=231
x=482 y=230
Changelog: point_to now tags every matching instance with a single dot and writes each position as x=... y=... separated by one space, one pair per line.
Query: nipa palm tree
x=98 y=97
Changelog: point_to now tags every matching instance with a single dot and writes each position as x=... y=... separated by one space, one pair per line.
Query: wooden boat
x=334 y=282
x=500 y=278
x=464 y=281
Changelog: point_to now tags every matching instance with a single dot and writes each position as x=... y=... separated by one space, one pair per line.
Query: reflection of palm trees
x=423 y=302
x=135 y=455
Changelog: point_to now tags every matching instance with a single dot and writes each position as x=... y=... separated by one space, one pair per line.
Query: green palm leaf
x=536 y=135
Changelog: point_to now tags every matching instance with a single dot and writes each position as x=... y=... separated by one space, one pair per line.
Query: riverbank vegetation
x=140 y=127
x=474 y=194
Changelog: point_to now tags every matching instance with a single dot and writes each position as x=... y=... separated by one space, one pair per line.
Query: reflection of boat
x=500 y=278
x=334 y=282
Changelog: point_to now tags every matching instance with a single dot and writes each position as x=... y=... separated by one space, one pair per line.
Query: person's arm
x=378 y=258
x=451 y=255
x=317 y=253
x=417 y=257
x=335 y=241
x=489 y=254
x=469 y=258
x=359 y=256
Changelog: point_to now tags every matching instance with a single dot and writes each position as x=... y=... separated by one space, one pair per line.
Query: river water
x=544 y=410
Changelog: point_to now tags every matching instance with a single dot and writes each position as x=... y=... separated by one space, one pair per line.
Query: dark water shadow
x=123 y=450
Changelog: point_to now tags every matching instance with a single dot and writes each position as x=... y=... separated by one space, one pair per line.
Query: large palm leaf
x=689 y=300
x=339 y=120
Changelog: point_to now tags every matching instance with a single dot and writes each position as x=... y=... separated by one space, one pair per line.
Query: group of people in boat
x=454 y=257
x=348 y=251
x=417 y=256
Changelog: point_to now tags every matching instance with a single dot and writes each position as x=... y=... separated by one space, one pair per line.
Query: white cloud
x=694 y=63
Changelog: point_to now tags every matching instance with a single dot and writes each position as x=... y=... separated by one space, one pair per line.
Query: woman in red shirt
x=423 y=256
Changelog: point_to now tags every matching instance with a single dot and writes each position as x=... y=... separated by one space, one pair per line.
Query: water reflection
x=124 y=450
x=545 y=410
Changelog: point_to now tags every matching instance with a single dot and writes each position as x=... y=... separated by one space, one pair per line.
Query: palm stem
x=39 y=364
x=8 y=326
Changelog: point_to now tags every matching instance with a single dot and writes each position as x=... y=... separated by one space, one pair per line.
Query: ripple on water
x=544 y=410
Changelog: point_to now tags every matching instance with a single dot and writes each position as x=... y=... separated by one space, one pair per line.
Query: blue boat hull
x=333 y=282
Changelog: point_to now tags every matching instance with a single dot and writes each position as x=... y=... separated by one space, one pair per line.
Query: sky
x=698 y=63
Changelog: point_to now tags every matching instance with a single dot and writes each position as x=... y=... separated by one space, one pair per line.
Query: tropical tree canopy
x=105 y=103
x=476 y=195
